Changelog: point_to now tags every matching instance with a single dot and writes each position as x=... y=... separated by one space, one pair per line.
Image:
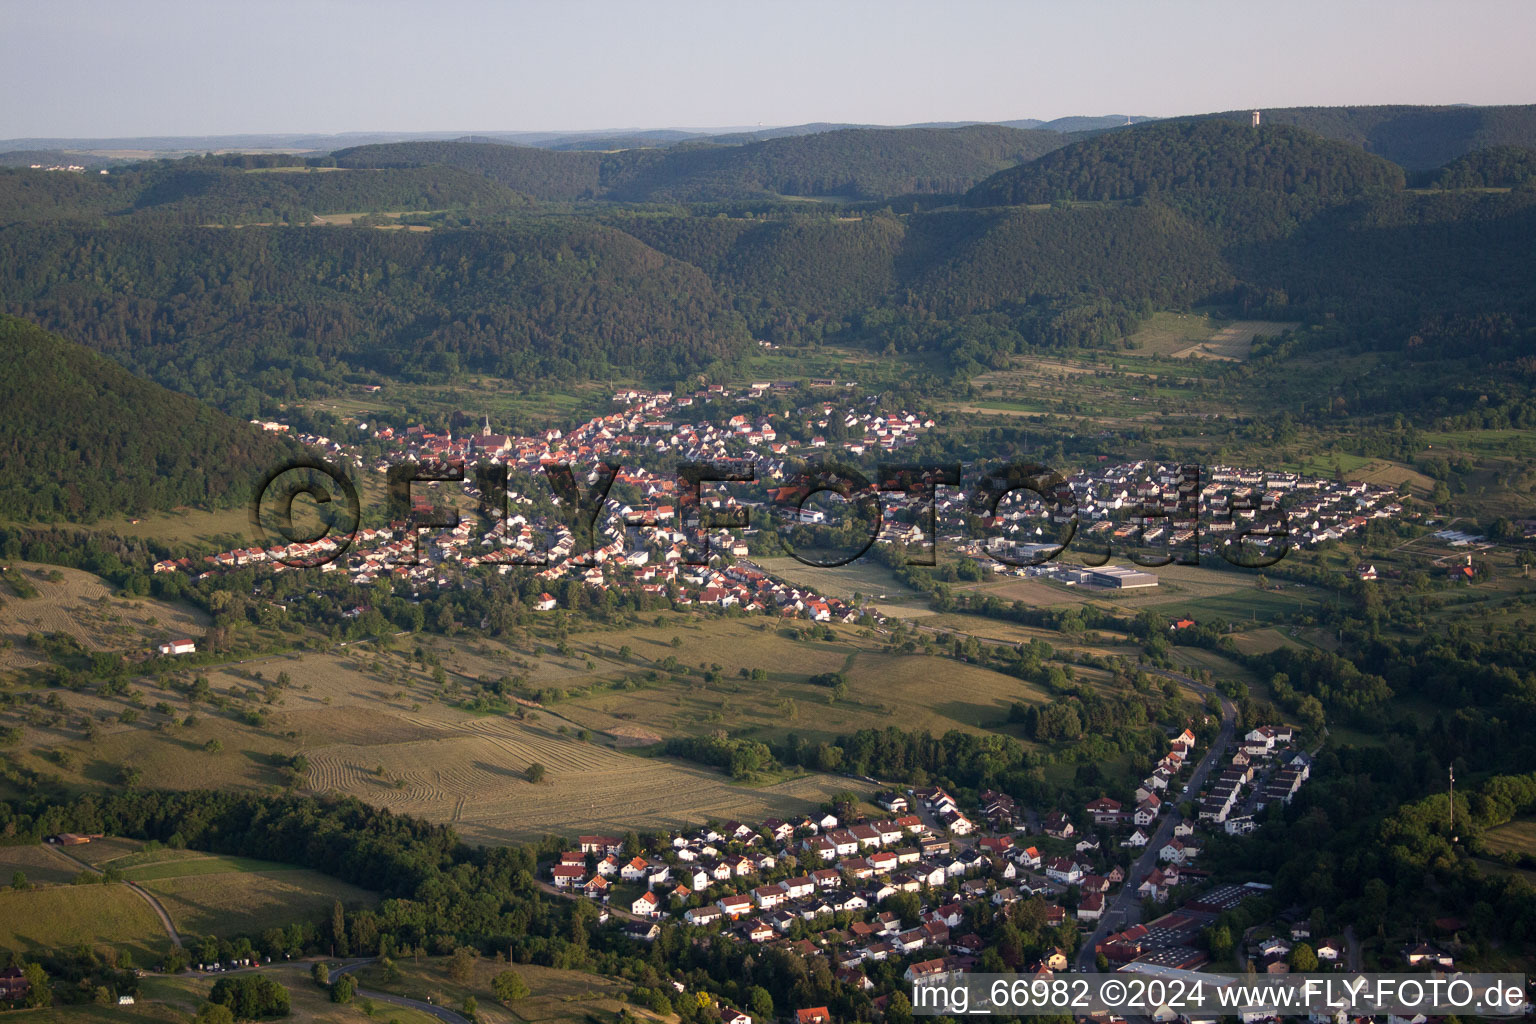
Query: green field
x=62 y=916
x=919 y=691
x=554 y=996
x=207 y=894
x=1517 y=836
x=39 y=864
x=189 y=864
x=872 y=581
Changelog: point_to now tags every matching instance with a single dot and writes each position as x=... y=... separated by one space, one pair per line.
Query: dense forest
x=665 y=293
x=211 y=191
x=1415 y=138
x=852 y=163
x=541 y=173
x=1192 y=153
x=81 y=437
x=214 y=311
x=1495 y=167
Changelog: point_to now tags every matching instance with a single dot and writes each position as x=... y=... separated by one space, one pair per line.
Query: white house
x=177 y=647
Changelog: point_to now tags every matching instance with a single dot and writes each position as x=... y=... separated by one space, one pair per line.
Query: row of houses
x=834 y=868
x=1263 y=744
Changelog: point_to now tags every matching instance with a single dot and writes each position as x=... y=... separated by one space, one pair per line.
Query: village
x=828 y=886
x=642 y=545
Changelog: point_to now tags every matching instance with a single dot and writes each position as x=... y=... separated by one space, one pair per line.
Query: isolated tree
x=39 y=992
x=339 y=928
x=509 y=987
x=1303 y=958
x=535 y=773
x=321 y=973
x=461 y=967
x=214 y=1013
x=343 y=989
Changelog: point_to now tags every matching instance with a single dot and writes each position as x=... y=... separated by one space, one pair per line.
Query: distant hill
x=1092 y=124
x=81 y=437
x=212 y=192
x=1497 y=167
x=854 y=163
x=1414 y=138
x=225 y=194
x=544 y=174
x=1166 y=156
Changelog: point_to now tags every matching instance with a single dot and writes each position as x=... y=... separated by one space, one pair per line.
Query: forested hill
x=215 y=311
x=1166 y=156
x=1415 y=138
x=856 y=163
x=541 y=173
x=82 y=438
x=1498 y=167
x=211 y=191
x=852 y=163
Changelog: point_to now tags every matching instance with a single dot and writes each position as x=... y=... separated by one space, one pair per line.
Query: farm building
x=13 y=985
x=177 y=647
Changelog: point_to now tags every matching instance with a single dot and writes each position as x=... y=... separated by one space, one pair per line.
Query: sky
x=109 y=68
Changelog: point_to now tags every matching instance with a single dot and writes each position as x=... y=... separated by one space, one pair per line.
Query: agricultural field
x=84 y=606
x=554 y=996
x=873 y=581
x=58 y=917
x=486 y=396
x=41 y=865
x=473 y=775
x=1199 y=336
x=1393 y=474
x=1262 y=641
x=247 y=902
x=1180 y=587
x=372 y=725
x=177 y=999
x=1517 y=836
x=882 y=687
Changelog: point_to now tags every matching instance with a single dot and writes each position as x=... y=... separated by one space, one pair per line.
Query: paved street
x=1125 y=908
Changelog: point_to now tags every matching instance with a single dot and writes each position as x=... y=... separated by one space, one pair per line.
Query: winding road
x=442 y=1013
x=144 y=894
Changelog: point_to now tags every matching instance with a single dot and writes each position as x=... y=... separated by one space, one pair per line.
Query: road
x=1125 y=908
x=1352 y=949
x=442 y=1013
x=144 y=894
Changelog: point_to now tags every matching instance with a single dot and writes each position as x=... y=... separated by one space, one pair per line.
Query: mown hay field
x=83 y=606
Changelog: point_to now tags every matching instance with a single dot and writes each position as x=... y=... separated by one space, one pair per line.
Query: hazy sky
x=159 y=67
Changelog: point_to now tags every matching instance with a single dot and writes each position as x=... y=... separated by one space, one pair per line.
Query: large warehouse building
x=1119 y=578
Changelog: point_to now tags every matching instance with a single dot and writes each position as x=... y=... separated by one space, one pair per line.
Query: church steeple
x=485 y=431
